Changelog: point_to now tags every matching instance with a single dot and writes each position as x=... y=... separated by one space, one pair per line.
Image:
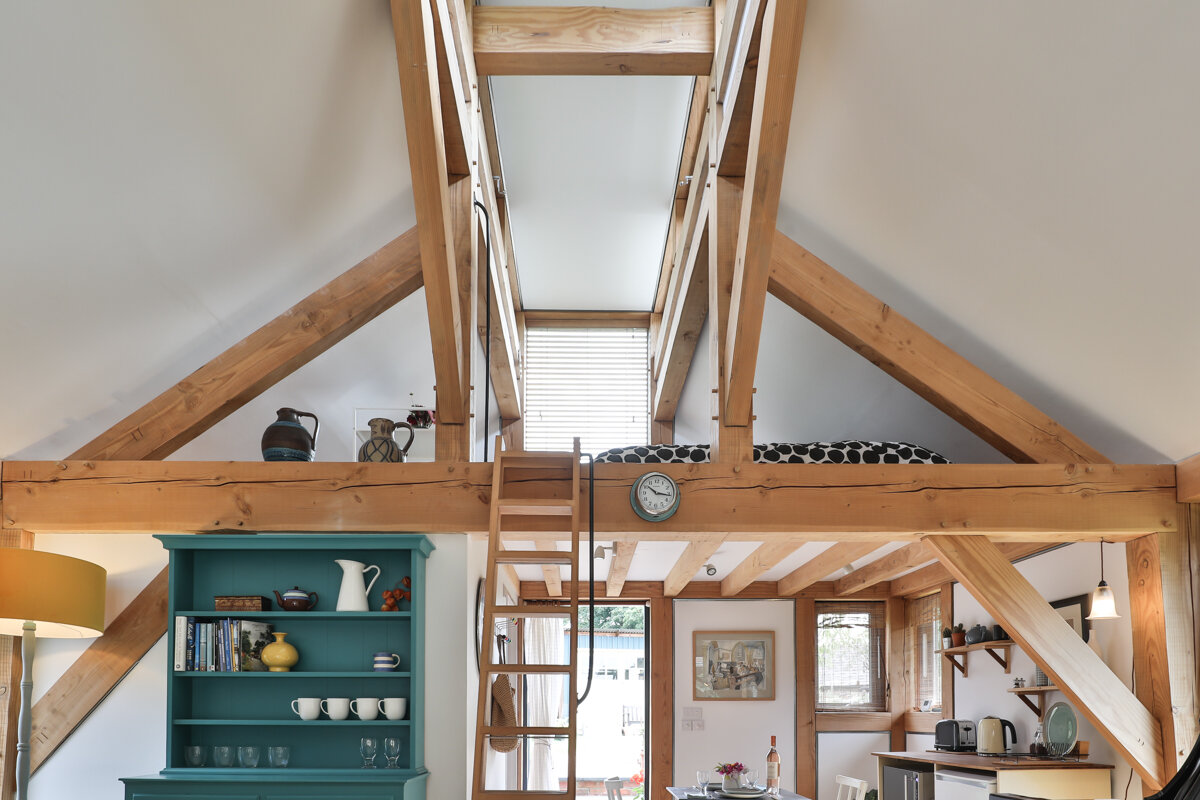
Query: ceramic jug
x=286 y=439
x=381 y=447
x=353 y=594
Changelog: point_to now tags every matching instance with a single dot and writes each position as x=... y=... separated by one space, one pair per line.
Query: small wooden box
x=225 y=602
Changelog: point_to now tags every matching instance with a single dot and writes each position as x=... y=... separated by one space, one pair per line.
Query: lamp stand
x=25 y=724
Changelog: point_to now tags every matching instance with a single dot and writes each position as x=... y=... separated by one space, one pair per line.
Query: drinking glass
x=368 y=747
x=222 y=755
x=248 y=756
x=750 y=778
x=391 y=751
x=194 y=755
x=702 y=779
x=278 y=756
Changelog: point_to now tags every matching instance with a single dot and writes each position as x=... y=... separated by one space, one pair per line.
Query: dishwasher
x=950 y=784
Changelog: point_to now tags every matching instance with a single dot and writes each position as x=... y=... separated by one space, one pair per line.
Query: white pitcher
x=353 y=594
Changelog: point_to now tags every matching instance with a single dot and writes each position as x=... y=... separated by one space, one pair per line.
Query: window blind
x=850 y=657
x=922 y=640
x=593 y=383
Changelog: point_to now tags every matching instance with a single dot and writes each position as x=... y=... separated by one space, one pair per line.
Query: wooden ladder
x=508 y=509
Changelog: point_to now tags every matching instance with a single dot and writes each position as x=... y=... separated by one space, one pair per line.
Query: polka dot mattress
x=849 y=452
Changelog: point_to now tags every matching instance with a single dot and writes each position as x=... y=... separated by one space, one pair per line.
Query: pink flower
x=731 y=768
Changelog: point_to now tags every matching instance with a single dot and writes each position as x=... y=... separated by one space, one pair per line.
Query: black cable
x=487 y=336
x=591 y=552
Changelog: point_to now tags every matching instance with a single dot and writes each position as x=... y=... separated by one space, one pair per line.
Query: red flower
x=637 y=779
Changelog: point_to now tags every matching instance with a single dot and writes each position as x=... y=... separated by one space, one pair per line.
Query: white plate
x=1061 y=728
x=742 y=794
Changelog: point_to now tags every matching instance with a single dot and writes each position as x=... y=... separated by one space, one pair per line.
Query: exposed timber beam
x=884 y=502
x=550 y=572
x=922 y=363
x=935 y=575
x=689 y=562
x=1046 y=637
x=733 y=87
x=537 y=318
x=458 y=133
x=889 y=566
x=456 y=442
x=703 y=590
x=825 y=563
x=92 y=676
x=413 y=25
x=618 y=568
x=1187 y=476
x=680 y=331
x=521 y=40
x=265 y=357
x=771 y=116
x=730 y=444
x=764 y=557
x=10 y=686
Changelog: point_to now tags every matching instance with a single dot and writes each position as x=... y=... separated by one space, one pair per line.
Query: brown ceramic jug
x=286 y=439
x=381 y=447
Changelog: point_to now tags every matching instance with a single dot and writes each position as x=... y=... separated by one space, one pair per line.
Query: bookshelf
x=254 y=708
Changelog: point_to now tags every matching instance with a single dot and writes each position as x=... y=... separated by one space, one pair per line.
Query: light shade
x=63 y=595
x=1104 y=603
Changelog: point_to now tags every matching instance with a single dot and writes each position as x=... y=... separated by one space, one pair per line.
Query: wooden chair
x=850 y=788
x=613 y=787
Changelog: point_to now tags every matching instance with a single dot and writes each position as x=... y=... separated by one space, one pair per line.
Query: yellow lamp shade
x=64 y=596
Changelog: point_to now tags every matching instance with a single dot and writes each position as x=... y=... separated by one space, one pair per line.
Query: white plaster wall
x=1069 y=571
x=847 y=754
x=126 y=734
x=736 y=730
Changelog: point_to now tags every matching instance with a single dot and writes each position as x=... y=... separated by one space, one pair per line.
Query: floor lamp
x=48 y=595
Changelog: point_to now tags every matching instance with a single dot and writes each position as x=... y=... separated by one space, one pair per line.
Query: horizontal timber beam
x=520 y=40
x=1187 y=476
x=889 y=566
x=931 y=577
x=814 y=502
x=705 y=590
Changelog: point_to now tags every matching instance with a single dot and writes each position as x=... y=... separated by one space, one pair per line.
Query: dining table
x=683 y=792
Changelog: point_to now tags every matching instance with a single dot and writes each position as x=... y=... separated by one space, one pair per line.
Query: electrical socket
x=686 y=725
x=697 y=724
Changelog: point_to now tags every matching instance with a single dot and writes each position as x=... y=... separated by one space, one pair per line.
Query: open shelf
x=1001 y=651
x=296 y=675
x=299 y=615
x=307 y=723
x=1038 y=704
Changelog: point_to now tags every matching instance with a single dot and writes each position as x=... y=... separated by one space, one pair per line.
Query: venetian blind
x=593 y=383
x=922 y=639
x=850 y=657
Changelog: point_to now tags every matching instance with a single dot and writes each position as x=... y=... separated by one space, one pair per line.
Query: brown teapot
x=296 y=599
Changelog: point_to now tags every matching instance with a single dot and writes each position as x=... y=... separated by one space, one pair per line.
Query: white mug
x=307 y=707
x=366 y=708
x=336 y=707
x=393 y=707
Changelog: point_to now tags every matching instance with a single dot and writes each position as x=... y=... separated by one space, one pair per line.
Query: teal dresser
x=244 y=708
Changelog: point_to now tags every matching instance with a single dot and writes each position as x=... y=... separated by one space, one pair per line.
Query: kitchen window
x=593 y=383
x=922 y=663
x=850 y=657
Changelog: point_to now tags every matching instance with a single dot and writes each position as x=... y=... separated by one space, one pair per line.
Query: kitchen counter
x=989 y=763
x=1026 y=775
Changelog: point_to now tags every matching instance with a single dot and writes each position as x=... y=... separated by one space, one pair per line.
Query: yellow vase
x=279 y=655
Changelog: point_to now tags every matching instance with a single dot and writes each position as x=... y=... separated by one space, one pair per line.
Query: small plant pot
x=947 y=642
x=958 y=639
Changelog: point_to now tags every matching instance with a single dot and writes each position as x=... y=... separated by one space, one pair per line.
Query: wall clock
x=654 y=496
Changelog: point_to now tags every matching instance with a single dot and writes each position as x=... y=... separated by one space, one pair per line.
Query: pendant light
x=1104 y=603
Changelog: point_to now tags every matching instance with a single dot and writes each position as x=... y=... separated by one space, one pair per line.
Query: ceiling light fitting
x=600 y=551
x=1104 y=603
x=709 y=569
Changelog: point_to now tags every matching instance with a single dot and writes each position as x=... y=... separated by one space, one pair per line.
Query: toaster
x=954 y=734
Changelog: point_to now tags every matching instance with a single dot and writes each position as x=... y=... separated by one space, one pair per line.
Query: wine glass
x=368 y=747
x=391 y=751
x=702 y=779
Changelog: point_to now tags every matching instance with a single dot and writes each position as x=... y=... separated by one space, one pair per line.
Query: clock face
x=654 y=496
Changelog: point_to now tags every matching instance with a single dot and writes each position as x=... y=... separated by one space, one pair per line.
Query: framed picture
x=1075 y=610
x=733 y=665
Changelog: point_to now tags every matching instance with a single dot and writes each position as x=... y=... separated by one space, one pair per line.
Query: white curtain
x=543 y=645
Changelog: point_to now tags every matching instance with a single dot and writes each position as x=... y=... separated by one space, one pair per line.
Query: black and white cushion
x=848 y=452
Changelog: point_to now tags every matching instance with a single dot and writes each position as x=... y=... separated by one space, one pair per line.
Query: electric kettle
x=990 y=735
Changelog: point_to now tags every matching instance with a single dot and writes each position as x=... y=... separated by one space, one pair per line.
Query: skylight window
x=593 y=383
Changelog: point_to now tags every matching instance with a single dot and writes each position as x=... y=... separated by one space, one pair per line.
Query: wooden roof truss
x=723 y=253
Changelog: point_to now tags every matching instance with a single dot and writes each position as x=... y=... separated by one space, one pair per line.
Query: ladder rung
x=535 y=557
x=543 y=506
x=538 y=669
x=522 y=730
x=532 y=611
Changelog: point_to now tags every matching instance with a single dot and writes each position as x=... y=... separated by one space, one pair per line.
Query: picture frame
x=733 y=665
x=1075 y=611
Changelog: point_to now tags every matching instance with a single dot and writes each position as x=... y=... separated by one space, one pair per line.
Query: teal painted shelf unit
x=336 y=649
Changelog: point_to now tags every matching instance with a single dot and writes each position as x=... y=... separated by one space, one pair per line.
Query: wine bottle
x=773 y=770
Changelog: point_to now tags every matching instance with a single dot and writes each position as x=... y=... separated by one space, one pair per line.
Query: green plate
x=1061 y=728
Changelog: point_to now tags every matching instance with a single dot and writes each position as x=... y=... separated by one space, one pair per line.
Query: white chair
x=850 y=788
x=613 y=787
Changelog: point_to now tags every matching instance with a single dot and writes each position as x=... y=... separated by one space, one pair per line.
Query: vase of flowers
x=731 y=774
